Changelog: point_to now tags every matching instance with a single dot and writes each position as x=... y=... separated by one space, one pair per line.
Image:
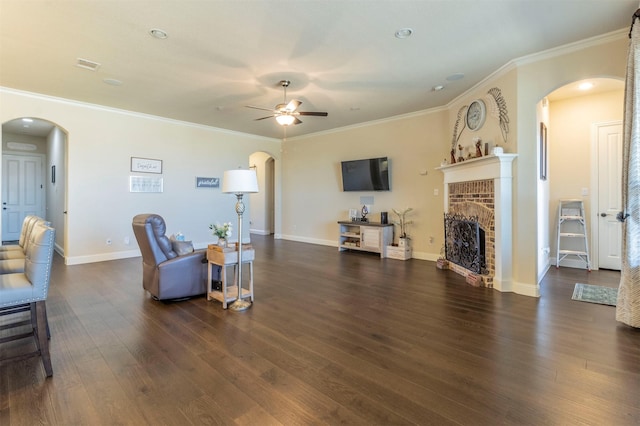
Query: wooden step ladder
x=572 y=232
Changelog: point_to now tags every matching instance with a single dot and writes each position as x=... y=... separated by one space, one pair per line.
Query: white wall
x=56 y=191
x=101 y=142
x=314 y=201
x=544 y=222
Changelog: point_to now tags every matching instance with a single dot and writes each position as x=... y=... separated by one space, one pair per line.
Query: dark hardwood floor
x=332 y=338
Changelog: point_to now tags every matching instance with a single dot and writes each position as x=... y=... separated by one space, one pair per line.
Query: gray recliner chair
x=165 y=274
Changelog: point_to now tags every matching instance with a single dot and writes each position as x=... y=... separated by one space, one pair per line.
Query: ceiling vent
x=87 y=64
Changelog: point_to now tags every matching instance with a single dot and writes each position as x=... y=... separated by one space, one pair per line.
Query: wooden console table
x=224 y=259
x=365 y=236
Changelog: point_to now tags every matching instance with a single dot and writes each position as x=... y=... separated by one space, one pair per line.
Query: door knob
x=603 y=214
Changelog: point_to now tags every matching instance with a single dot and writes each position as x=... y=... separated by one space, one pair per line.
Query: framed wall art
x=145 y=184
x=146 y=165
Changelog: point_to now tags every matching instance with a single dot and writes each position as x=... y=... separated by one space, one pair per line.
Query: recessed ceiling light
x=404 y=33
x=585 y=86
x=456 y=76
x=158 y=33
x=437 y=88
x=112 y=82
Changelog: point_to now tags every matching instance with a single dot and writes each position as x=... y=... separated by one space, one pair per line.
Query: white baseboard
x=329 y=243
x=103 y=257
x=532 y=290
x=259 y=232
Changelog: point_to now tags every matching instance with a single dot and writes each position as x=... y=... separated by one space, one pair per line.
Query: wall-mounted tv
x=371 y=174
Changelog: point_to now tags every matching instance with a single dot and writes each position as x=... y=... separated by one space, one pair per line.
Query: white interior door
x=22 y=189
x=609 y=195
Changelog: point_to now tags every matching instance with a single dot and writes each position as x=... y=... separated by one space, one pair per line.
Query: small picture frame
x=543 y=152
x=146 y=165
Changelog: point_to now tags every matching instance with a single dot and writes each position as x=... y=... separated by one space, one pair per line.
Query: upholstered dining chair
x=165 y=273
x=28 y=222
x=19 y=251
x=27 y=292
x=12 y=256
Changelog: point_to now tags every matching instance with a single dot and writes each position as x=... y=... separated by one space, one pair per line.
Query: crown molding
x=97 y=107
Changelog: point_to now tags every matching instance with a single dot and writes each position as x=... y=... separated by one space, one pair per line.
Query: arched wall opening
x=570 y=166
x=264 y=210
x=35 y=147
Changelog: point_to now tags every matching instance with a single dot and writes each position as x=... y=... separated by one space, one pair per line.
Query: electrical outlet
x=431 y=239
x=108 y=241
x=126 y=240
x=436 y=191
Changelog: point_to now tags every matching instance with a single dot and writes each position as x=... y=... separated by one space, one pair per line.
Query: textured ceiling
x=341 y=56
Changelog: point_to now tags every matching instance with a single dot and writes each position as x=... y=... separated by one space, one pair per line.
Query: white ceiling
x=341 y=56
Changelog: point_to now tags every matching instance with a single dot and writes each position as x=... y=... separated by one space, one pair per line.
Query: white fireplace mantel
x=487 y=167
x=499 y=168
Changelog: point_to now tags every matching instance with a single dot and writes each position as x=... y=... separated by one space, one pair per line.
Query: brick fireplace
x=482 y=188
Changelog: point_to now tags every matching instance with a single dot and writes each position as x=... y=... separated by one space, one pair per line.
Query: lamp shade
x=239 y=181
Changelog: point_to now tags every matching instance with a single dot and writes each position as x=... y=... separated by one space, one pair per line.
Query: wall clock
x=476 y=114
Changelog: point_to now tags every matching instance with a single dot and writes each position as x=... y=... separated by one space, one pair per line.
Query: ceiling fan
x=285 y=113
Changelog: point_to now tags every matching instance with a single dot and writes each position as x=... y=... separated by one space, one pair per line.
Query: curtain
x=628 y=304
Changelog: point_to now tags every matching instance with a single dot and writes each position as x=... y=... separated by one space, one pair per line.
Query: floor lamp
x=239 y=182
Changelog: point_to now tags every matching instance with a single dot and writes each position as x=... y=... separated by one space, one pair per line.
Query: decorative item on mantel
x=223 y=232
x=478 y=142
x=496 y=106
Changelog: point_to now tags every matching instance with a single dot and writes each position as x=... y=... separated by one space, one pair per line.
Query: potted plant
x=222 y=232
x=402 y=223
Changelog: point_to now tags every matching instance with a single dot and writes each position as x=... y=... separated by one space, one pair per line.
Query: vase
x=222 y=242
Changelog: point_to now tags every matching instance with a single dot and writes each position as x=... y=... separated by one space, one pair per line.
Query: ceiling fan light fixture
x=285 y=120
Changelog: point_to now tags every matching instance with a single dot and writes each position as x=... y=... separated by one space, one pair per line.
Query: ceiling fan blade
x=297 y=121
x=292 y=105
x=316 y=113
x=255 y=107
x=264 y=118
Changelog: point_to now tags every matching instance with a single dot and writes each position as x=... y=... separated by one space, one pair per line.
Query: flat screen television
x=371 y=174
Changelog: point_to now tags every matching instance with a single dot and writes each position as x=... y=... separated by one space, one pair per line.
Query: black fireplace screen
x=465 y=242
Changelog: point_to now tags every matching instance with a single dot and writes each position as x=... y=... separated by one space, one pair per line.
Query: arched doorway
x=262 y=219
x=575 y=169
x=34 y=154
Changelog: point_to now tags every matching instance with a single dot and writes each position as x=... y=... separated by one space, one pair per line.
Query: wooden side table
x=224 y=259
